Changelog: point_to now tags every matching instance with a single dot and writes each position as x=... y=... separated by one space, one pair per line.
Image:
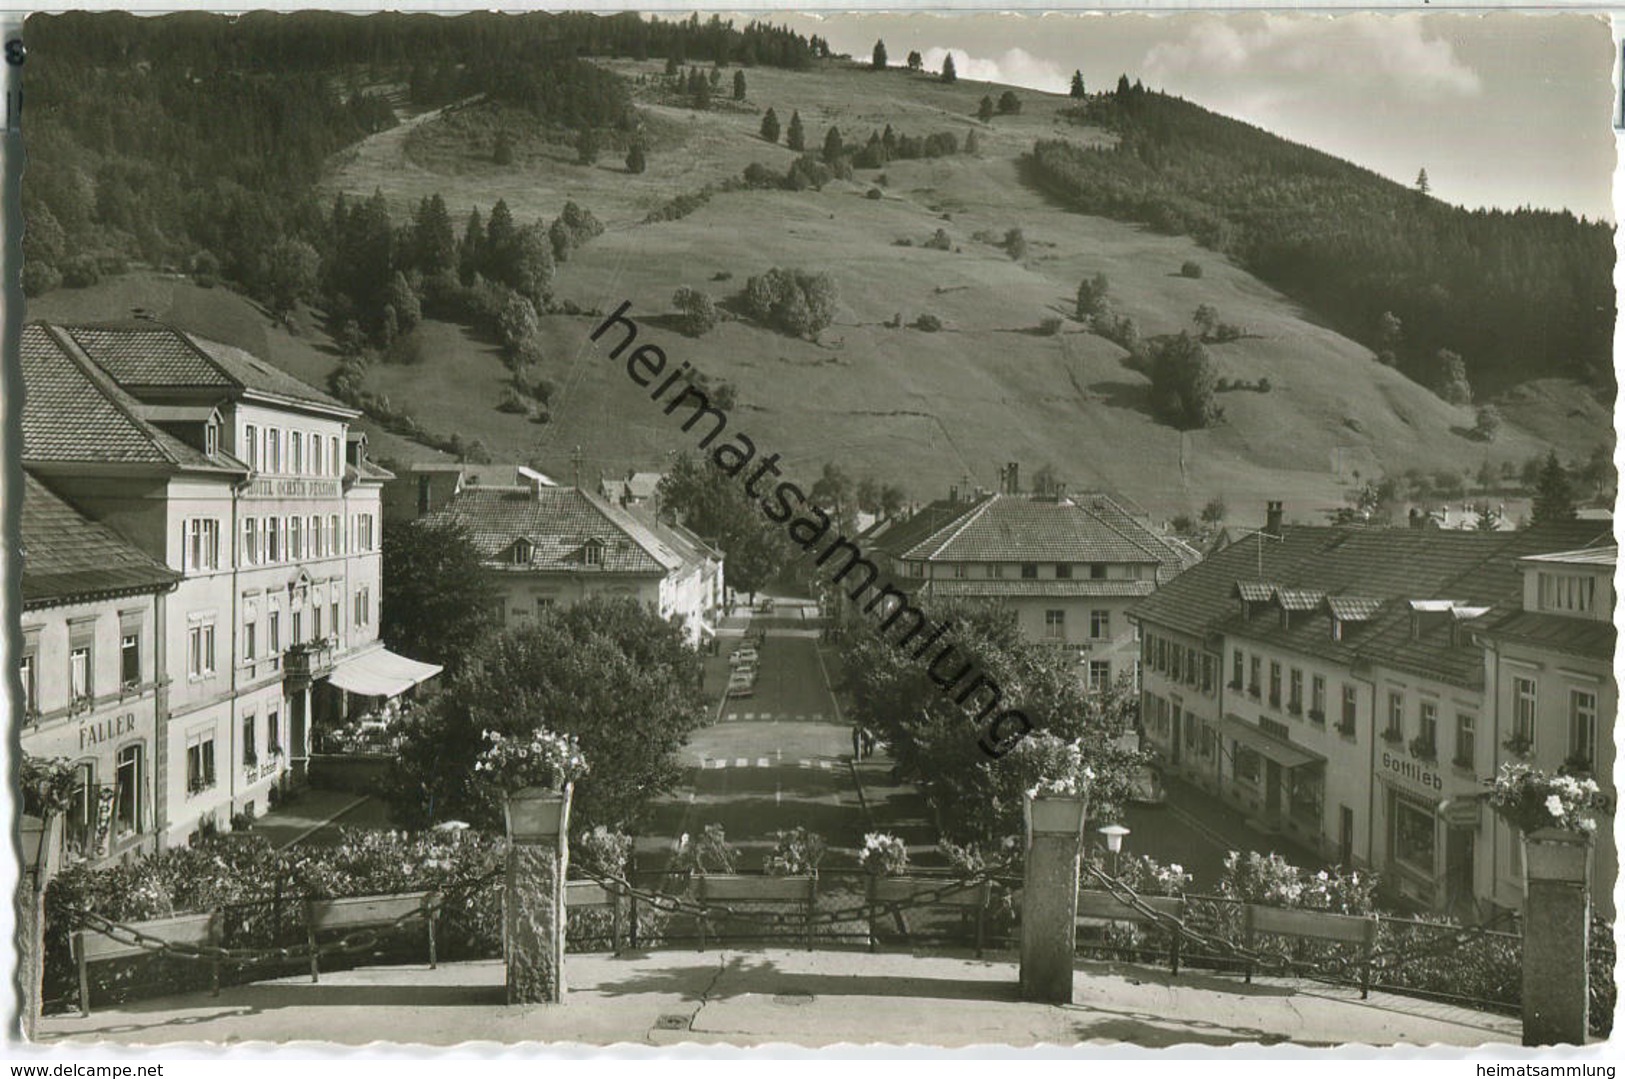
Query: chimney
x=1416 y=519
x=953 y=492
x=1272 y=520
x=1012 y=472
x=1060 y=492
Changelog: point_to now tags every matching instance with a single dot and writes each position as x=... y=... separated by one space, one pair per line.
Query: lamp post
x=1114 y=834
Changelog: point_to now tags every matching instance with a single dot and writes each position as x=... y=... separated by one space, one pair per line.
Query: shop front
x=1282 y=782
x=357 y=706
x=111 y=749
x=1432 y=819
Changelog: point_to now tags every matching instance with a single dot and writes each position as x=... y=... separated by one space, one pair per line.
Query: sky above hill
x=1502 y=110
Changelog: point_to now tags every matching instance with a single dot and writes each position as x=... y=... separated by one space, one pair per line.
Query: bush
x=1092 y=297
x=696 y=311
x=512 y=402
x=939 y=241
x=80 y=272
x=1015 y=244
x=902 y=241
x=793 y=301
x=1263 y=385
x=1050 y=326
x=1191 y=268
x=874 y=193
x=1227 y=331
x=929 y=323
x=39 y=277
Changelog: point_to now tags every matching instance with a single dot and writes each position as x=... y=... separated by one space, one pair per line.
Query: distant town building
x=1069 y=566
x=634 y=489
x=250 y=487
x=1331 y=682
x=545 y=545
x=424 y=487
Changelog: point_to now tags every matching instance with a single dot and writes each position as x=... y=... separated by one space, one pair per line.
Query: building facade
x=543 y=546
x=91 y=670
x=1069 y=567
x=253 y=490
x=1354 y=714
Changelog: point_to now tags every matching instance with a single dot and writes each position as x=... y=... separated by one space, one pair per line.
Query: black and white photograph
x=809 y=528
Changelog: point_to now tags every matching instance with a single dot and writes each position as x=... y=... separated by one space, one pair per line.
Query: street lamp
x=1114 y=834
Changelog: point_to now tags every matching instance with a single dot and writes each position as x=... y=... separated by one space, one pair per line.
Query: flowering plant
x=542 y=759
x=883 y=854
x=795 y=853
x=1052 y=767
x=1530 y=800
x=47 y=784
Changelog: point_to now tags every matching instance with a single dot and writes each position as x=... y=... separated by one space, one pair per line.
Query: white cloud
x=1310 y=54
x=1015 y=67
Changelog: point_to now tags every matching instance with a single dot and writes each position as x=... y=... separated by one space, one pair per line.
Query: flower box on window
x=1254 y=692
x=1345 y=727
x=1392 y=734
x=1422 y=748
x=1317 y=716
x=1577 y=764
x=1518 y=744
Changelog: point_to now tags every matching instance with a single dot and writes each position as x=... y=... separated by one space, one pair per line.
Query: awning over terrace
x=380 y=674
x=1286 y=754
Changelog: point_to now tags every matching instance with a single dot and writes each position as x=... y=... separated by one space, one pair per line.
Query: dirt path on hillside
x=383 y=152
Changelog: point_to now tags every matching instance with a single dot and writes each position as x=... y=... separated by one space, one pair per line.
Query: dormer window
x=592 y=553
x=211 y=439
x=522 y=551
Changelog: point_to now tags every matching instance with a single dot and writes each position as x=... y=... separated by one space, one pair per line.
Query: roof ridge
x=609 y=513
x=1130 y=539
x=964 y=521
x=110 y=388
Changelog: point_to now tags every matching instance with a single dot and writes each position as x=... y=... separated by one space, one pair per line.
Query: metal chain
x=360 y=940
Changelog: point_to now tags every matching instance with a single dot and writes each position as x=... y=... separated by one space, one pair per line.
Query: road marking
x=691 y=796
x=818 y=717
x=750 y=715
x=761 y=762
x=805 y=763
x=718 y=763
x=778 y=795
x=825 y=765
x=731 y=716
x=801 y=717
x=741 y=762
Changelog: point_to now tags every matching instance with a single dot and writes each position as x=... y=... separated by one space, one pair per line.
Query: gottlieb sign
x=1413 y=773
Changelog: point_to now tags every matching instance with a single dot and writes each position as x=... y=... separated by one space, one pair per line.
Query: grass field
x=923 y=410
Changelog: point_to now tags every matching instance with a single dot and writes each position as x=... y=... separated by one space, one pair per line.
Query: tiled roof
x=1587 y=556
x=558 y=522
x=149 y=355
x=1365 y=570
x=1575 y=636
x=1353 y=608
x=66 y=556
x=1014 y=528
x=1255 y=591
x=642 y=485
x=1298 y=599
x=895 y=535
x=73 y=412
x=1023 y=588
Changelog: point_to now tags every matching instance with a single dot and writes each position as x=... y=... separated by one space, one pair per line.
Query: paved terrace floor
x=756 y=997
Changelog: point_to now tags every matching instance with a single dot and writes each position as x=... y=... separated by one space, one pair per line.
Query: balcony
x=304 y=663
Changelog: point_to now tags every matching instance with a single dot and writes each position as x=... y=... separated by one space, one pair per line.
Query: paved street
x=770 y=761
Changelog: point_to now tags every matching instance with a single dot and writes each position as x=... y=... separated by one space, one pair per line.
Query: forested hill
x=1516 y=295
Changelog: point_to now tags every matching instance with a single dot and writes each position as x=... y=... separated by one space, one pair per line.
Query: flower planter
x=1056 y=814
x=1557 y=854
x=537 y=813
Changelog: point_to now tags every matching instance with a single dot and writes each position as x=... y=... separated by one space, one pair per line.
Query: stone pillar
x=1556 y=935
x=42 y=845
x=1049 y=898
x=533 y=904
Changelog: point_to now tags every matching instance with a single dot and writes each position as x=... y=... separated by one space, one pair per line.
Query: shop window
x=1244 y=762
x=83 y=805
x=1413 y=834
x=1308 y=795
x=128 y=778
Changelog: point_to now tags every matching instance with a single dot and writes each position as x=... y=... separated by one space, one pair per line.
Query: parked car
x=742 y=685
x=766 y=605
x=1147 y=788
x=743 y=655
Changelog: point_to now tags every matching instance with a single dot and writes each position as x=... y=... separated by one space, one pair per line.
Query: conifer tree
x=1554 y=493
x=1077 y=85
x=796 y=138
x=878 y=61
x=770 y=126
x=948 y=72
x=832 y=145
x=739 y=86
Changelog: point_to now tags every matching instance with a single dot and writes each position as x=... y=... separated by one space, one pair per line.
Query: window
x=333 y=455
x=1582 y=727
x=1317 y=698
x=274 y=537
x=251 y=446
x=1210 y=673
x=273 y=450
x=201 y=540
x=363 y=606
x=995 y=570
x=335 y=539
x=1063 y=571
x=1192 y=674
x=333 y=612
x=543 y=604
x=273 y=638
x=1100 y=675
x=1349 y=698
x=129 y=660
x=296 y=452
x=1307 y=798
x=1255 y=672
x=200 y=762
x=1055 y=625
x=1100 y=624
x=592 y=553
x=296 y=538
x=250 y=550
x=317 y=550
x=1413 y=834
x=1295 y=692
x=1466 y=739
x=960 y=571
x=128 y=778
x=251 y=753
x=1566 y=592
x=1235 y=669
x=273 y=734
x=25 y=670
x=916 y=569
x=1429 y=732
x=1097 y=572
x=1523 y=711
x=1396 y=715
x=79 y=673
x=1275 y=684
x=83 y=805
x=211 y=439
x=200 y=650
x=297 y=624
x=364 y=541
x=316 y=622
x=250 y=631
x=1176 y=669
x=1029 y=571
